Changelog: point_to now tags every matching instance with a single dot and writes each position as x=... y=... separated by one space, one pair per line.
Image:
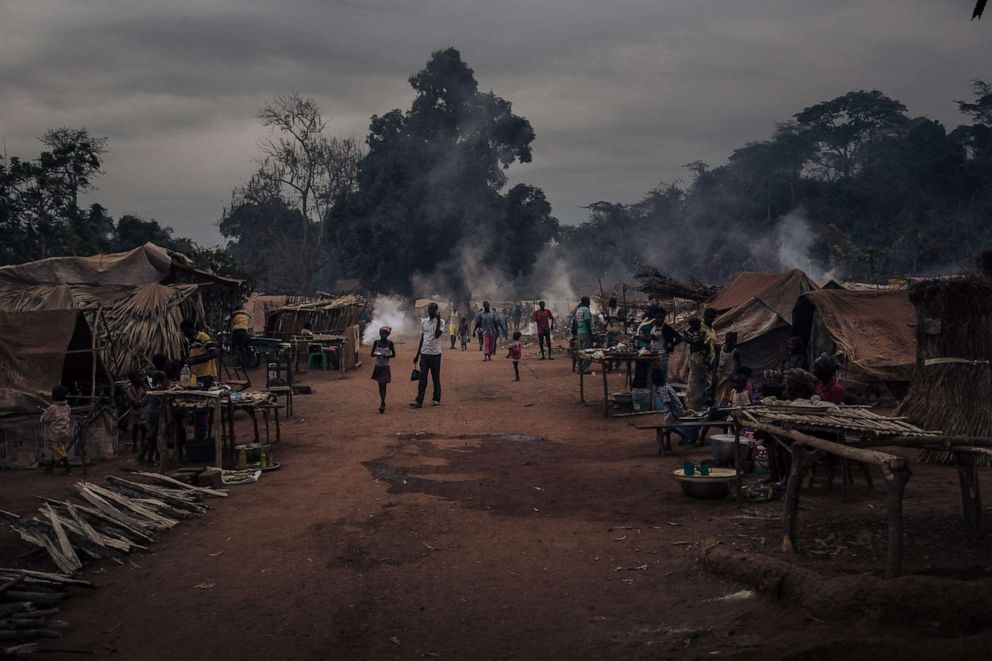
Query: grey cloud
x=620 y=94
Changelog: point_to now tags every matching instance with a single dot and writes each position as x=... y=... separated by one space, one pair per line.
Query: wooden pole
x=897 y=487
x=971 y=500
x=888 y=462
x=606 y=392
x=738 y=460
x=218 y=429
x=790 y=521
x=166 y=430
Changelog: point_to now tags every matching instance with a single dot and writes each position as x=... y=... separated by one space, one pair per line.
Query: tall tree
x=308 y=168
x=844 y=127
x=432 y=178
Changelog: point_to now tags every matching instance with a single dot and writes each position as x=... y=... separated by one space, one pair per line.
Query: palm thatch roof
x=147 y=322
x=141 y=320
x=328 y=315
x=661 y=286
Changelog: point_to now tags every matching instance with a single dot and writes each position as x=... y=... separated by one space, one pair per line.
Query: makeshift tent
x=142 y=320
x=144 y=293
x=142 y=265
x=758 y=307
x=870 y=329
x=43 y=349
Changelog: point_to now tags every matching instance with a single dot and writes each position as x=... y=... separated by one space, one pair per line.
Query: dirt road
x=510 y=522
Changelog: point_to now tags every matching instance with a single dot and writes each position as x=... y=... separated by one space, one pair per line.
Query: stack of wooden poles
x=109 y=521
x=29 y=608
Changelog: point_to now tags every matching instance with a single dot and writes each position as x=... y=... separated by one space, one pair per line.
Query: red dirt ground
x=423 y=534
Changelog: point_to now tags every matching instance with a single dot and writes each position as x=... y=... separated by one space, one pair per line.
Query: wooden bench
x=663 y=430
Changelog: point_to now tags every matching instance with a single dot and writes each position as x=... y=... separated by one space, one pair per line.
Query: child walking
x=137 y=402
x=383 y=350
x=57 y=421
x=463 y=333
x=153 y=413
x=516 y=349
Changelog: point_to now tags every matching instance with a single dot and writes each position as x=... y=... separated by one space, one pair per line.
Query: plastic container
x=640 y=398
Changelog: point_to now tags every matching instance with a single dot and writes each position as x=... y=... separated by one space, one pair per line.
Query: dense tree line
x=878 y=192
x=40 y=215
x=883 y=193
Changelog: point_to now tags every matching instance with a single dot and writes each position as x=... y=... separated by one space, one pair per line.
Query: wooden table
x=604 y=363
x=220 y=401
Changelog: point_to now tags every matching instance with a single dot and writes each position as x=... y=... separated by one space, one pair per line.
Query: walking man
x=429 y=356
x=545 y=324
x=488 y=324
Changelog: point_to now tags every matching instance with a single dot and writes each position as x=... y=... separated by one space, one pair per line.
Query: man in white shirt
x=428 y=356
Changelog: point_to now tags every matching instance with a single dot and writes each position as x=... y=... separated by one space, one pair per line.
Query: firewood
x=10 y=583
x=220 y=493
x=102 y=521
x=16 y=607
x=37 y=537
x=28 y=633
x=109 y=510
x=37 y=598
x=157 y=521
x=64 y=545
x=160 y=494
x=155 y=505
x=33 y=623
x=48 y=612
x=19 y=650
x=57 y=579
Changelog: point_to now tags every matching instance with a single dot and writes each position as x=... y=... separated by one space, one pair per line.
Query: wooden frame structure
x=872 y=431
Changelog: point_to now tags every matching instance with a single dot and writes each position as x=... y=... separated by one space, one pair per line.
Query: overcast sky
x=620 y=94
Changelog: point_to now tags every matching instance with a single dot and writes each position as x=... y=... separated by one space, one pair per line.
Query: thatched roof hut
x=332 y=316
x=953 y=376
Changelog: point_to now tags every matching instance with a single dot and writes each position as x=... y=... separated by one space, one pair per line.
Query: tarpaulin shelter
x=142 y=265
x=870 y=330
x=43 y=349
x=759 y=307
x=38 y=351
x=143 y=294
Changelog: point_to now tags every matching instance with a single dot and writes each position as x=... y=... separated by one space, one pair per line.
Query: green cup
x=704 y=469
x=689 y=468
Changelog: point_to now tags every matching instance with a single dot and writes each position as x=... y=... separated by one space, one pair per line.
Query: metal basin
x=722 y=446
x=714 y=486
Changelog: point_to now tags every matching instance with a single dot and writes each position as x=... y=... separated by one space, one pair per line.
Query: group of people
x=198 y=367
x=489 y=326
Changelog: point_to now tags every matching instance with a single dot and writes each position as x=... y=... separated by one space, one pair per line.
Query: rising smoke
x=790 y=246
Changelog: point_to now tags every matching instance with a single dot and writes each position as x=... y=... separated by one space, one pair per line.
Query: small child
x=516 y=349
x=464 y=333
x=160 y=381
x=739 y=396
x=137 y=402
x=383 y=350
x=57 y=421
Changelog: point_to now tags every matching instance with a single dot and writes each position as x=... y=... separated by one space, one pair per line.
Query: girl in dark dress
x=382 y=350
